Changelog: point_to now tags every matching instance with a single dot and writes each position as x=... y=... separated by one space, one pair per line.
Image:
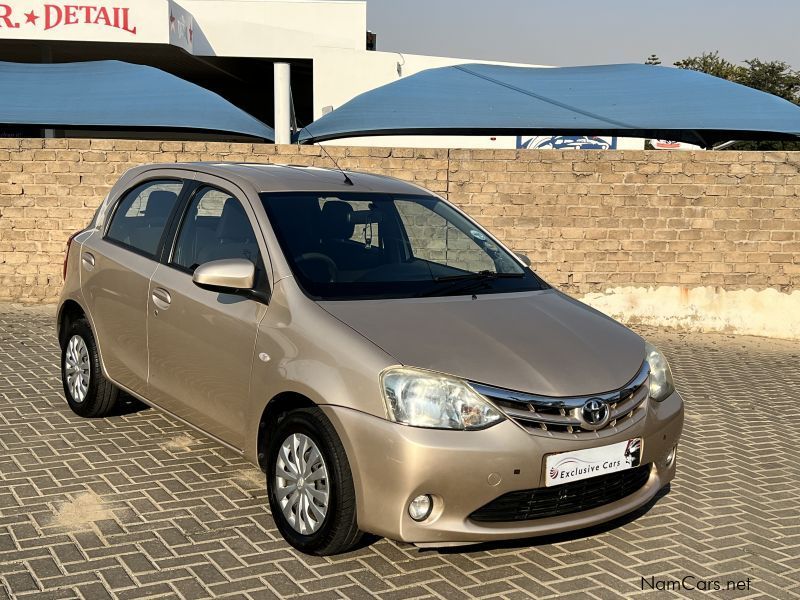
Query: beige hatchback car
x=391 y=366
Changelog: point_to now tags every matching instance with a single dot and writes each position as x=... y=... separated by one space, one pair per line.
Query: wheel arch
x=278 y=405
x=69 y=312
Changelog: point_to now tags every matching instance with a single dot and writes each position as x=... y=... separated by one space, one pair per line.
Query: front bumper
x=464 y=470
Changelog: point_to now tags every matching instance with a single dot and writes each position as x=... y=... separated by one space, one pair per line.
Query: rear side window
x=142 y=215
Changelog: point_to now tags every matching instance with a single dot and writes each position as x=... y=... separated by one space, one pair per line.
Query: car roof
x=294 y=178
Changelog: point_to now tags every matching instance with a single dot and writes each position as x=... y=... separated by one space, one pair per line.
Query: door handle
x=87 y=258
x=161 y=298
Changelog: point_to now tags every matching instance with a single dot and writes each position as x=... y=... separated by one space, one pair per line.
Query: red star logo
x=31 y=17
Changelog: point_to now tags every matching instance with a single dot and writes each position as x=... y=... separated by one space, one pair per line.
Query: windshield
x=364 y=246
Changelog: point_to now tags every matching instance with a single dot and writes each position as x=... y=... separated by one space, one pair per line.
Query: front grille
x=561 y=417
x=564 y=499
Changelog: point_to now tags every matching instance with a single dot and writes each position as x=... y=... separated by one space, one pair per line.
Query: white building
x=230 y=46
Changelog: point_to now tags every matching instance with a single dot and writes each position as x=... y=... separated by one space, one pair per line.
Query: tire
x=94 y=396
x=337 y=531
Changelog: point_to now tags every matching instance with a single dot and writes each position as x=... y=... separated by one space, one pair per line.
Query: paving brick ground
x=138 y=505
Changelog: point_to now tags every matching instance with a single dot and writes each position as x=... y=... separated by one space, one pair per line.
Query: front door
x=116 y=266
x=201 y=342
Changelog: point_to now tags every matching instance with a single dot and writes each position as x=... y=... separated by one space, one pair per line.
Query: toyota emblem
x=595 y=413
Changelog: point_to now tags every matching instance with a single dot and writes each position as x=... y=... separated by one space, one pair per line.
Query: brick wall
x=588 y=220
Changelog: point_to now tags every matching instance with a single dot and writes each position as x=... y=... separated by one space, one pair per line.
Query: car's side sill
x=155 y=406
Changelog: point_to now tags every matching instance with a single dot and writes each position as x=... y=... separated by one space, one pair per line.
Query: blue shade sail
x=609 y=100
x=116 y=95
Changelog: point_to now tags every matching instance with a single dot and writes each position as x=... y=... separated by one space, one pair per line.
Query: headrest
x=336 y=220
x=234 y=224
x=159 y=205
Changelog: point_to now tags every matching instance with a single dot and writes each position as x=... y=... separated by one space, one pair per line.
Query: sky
x=580 y=32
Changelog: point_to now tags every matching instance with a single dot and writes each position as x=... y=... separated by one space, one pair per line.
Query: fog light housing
x=420 y=507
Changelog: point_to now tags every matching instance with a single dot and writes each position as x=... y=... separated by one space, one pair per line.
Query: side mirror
x=524 y=258
x=225 y=275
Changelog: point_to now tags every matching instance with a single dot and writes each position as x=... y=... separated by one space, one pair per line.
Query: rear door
x=201 y=342
x=116 y=266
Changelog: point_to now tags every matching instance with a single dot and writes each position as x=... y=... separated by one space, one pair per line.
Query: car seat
x=150 y=226
x=233 y=238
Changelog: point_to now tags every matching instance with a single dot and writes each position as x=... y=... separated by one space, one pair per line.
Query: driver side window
x=214 y=227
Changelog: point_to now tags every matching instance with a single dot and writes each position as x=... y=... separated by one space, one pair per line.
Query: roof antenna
x=347 y=180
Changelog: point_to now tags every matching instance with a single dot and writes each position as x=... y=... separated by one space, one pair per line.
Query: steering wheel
x=333 y=270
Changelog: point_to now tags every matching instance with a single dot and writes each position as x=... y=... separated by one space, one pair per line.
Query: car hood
x=539 y=342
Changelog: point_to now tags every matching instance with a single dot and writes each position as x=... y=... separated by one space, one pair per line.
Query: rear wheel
x=88 y=392
x=310 y=486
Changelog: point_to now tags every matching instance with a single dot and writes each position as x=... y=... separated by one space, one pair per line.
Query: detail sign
x=143 y=21
x=50 y=16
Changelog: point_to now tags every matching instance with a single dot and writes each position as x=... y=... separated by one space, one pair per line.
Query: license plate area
x=576 y=465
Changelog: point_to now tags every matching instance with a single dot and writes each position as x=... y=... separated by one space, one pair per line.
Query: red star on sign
x=31 y=17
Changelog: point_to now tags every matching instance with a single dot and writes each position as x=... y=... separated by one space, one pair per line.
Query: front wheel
x=310 y=486
x=88 y=392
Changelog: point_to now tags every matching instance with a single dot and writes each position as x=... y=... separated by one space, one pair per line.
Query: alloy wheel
x=302 y=486
x=76 y=368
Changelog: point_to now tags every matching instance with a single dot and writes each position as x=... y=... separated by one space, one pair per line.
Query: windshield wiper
x=481 y=278
x=480 y=275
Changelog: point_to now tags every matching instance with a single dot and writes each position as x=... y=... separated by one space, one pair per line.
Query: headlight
x=426 y=399
x=661 y=384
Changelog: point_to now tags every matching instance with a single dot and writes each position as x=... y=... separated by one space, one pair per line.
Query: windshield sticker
x=477 y=235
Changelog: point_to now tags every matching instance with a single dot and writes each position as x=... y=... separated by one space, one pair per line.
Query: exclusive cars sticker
x=592 y=462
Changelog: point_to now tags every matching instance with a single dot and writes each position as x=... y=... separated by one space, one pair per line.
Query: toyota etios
x=391 y=366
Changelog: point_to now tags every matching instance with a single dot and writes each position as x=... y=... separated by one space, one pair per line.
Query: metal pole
x=283 y=110
x=47 y=57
